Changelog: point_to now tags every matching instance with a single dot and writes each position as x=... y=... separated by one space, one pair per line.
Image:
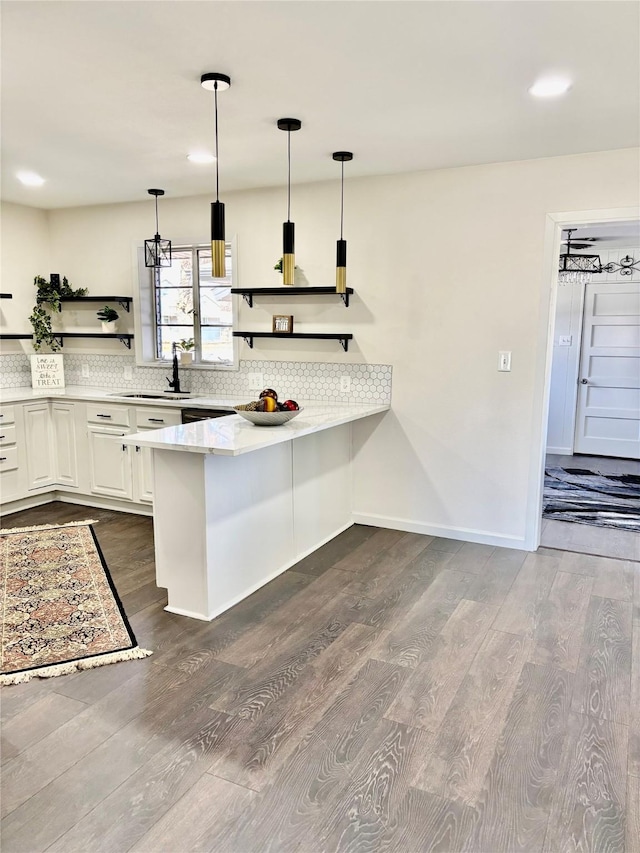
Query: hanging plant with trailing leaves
x=49 y=293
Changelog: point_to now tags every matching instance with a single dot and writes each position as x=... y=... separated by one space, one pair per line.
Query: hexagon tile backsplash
x=304 y=380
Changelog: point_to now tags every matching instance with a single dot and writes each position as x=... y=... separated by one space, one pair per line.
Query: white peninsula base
x=225 y=525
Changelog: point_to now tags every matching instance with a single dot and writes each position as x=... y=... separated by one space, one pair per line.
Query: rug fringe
x=73 y=666
x=47 y=526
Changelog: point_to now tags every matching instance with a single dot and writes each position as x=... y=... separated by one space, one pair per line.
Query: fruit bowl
x=268 y=418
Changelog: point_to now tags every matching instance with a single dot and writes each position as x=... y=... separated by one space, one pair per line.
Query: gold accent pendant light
x=288 y=227
x=341 y=248
x=215 y=82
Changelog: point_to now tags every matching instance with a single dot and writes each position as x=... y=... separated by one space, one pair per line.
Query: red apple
x=291 y=405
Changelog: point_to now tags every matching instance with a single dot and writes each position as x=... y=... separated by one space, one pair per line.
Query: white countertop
x=226 y=436
x=231 y=436
x=85 y=393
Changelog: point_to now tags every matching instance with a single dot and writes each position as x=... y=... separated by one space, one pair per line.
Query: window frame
x=145 y=314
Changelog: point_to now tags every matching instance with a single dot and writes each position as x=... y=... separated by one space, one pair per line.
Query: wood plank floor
x=391 y=692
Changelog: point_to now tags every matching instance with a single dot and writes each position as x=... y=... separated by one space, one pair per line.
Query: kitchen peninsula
x=235 y=504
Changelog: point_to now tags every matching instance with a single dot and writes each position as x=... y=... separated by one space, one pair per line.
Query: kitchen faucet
x=174 y=383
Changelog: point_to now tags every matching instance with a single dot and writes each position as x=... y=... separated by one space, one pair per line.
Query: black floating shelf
x=249 y=292
x=123 y=338
x=123 y=301
x=6 y=295
x=4 y=337
x=333 y=336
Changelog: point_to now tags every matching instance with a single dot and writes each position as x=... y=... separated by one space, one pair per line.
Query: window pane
x=216 y=306
x=167 y=335
x=217 y=344
x=180 y=273
x=175 y=306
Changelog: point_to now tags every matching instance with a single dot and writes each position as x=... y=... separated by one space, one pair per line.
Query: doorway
x=593 y=432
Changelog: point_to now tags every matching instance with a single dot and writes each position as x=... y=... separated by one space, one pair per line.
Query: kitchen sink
x=151 y=395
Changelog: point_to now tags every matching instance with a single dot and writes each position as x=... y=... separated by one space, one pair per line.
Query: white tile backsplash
x=304 y=380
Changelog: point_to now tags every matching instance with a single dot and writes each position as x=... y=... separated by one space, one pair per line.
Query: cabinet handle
x=102 y=416
x=3 y=458
x=124 y=446
x=2 y=436
x=137 y=449
x=156 y=420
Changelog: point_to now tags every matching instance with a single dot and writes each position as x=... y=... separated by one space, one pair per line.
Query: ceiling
x=103 y=99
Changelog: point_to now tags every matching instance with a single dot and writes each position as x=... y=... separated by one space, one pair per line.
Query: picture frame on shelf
x=282 y=323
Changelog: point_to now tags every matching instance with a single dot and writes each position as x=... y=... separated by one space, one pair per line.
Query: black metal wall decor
x=341 y=157
x=288 y=227
x=216 y=82
x=157 y=252
x=627 y=266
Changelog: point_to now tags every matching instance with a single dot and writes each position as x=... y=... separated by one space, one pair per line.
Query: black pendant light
x=341 y=248
x=215 y=82
x=288 y=227
x=157 y=252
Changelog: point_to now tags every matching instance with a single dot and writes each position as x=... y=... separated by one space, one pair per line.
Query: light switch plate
x=85 y=371
x=564 y=341
x=504 y=361
x=128 y=373
x=256 y=381
x=345 y=384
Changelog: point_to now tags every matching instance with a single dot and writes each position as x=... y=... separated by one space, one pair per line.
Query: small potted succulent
x=186 y=351
x=109 y=317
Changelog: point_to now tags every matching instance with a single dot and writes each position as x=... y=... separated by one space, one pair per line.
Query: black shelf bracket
x=345 y=298
x=248 y=339
x=125 y=340
x=248 y=298
x=126 y=304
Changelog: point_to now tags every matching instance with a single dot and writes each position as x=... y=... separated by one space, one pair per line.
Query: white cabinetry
x=65 y=443
x=109 y=459
x=147 y=419
x=39 y=442
x=12 y=463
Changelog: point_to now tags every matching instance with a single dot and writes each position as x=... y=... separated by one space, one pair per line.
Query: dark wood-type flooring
x=391 y=692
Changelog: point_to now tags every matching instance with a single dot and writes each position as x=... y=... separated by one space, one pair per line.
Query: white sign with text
x=47 y=371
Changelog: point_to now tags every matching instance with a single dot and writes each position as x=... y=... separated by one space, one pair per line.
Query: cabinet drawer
x=8 y=458
x=148 y=418
x=7 y=434
x=99 y=414
x=7 y=415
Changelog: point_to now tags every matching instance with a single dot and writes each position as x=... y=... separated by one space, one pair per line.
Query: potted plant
x=108 y=316
x=186 y=351
x=49 y=293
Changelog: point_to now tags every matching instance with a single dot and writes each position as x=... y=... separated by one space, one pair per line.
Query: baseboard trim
x=560 y=451
x=73 y=498
x=482 y=537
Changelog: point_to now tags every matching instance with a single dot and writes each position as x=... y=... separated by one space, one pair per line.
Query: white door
x=608 y=415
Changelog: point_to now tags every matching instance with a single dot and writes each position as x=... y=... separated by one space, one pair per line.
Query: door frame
x=555 y=222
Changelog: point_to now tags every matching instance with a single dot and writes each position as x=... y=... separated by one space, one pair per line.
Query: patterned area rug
x=588 y=497
x=60 y=611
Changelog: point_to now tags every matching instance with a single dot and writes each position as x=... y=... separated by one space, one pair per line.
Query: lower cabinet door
x=39 y=441
x=65 y=443
x=110 y=461
x=144 y=474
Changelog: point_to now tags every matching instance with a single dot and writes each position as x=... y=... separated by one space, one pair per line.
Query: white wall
x=25 y=254
x=448 y=269
x=566 y=359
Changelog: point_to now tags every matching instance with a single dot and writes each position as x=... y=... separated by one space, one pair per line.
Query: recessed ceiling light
x=201 y=157
x=550 y=87
x=30 y=179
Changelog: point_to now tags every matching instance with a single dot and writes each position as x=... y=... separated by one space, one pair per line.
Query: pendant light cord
x=215 y=94
x=157 y=228
x=288 y=176
x=342 y=199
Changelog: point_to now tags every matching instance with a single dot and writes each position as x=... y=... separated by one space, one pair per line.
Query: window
x=184 y=302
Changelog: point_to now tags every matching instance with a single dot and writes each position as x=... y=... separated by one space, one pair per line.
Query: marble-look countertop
x=100 y=395
x=232 y=436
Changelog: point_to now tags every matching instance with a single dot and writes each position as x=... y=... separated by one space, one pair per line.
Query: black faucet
x=174 y=383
